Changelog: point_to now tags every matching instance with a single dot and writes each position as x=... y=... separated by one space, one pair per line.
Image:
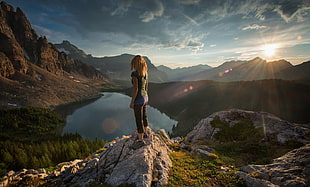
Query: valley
x=190 y=101
x=214 y=118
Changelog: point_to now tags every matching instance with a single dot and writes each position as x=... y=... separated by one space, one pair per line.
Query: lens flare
x=264 y=128
x=109 y=125
x=220 y=74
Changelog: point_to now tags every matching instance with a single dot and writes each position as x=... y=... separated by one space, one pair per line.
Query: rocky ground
x=118 y=163
x=274 y=128
x=292 y=169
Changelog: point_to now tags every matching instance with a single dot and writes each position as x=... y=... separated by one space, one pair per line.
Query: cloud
x=221 y=9
x=195 y=45
x=122 y=8
x=156 y=9
x=189 y=2
x=51 y=35
x=289 y=10
x=127 y=25
x=254 y=27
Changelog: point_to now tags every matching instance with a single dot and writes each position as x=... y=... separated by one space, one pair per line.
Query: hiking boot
x=137 y=145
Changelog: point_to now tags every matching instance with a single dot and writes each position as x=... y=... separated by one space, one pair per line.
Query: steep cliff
x=32 y=68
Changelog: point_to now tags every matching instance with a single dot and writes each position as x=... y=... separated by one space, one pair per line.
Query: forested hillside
x=31 y=138
x=189 y=102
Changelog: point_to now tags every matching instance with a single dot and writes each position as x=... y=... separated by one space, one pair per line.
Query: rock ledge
x=117 y=164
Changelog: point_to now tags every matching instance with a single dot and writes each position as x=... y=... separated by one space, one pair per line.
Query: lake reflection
x=110 y=117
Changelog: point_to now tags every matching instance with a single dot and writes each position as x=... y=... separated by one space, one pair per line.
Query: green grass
x=193 y=170
x=243 y=144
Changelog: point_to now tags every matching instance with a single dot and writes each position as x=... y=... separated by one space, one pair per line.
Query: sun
x=269 y=50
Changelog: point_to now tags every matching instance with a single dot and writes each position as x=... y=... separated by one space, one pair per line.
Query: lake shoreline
x=76 y=104
x=108 y=116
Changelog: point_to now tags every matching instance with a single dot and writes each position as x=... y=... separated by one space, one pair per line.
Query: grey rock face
x=292 y=169
x=281 y=130
x=149 y=164
x=120 y=164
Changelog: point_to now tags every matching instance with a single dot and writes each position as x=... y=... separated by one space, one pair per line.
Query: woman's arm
x=134 y=91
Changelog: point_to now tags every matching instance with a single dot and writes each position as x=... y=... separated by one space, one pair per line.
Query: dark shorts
x=141 y=101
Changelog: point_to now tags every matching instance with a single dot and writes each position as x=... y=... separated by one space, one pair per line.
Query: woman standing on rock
x=139 y=79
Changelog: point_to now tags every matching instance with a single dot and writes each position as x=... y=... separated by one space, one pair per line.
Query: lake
x=110 y=116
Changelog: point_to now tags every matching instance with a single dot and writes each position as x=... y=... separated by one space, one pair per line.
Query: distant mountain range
x=116 y=67
x=298 y=72
x=38 y=73
x=190 y=101
x=255 y=69
x=33 y=72
x=183 y=74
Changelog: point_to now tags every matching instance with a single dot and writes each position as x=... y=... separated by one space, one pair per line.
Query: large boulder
x=121 y=164
x=280 y=130
x=291 y=169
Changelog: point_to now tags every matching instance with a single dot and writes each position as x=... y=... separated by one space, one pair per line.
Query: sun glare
x=269 y=50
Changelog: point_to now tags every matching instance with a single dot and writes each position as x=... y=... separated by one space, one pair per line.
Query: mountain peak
x=71 y=50
x=32 y=61
x=257 y=60
x=66 y=42
x=7 y=7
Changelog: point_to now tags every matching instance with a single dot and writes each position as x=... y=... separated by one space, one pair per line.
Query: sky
x=177 y=33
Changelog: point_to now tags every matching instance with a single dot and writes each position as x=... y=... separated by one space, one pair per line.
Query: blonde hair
x=139 y=64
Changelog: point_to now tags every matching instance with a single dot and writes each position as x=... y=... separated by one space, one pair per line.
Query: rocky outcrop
x=292 y=169
x=6 y=67
x=118 y=164
x=23 y=175
x=274 y=127
x=31 y=67
x=150 y=164
x=21 y=44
